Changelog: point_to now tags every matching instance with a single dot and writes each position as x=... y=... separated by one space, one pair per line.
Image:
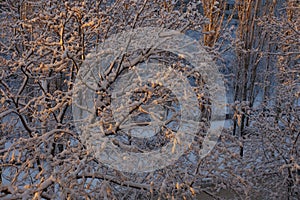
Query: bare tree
x=44 y=45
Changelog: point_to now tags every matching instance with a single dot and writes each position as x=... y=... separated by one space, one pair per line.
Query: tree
x=43 y=46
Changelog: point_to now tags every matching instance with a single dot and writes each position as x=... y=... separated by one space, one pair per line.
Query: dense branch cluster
x=43 y=46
